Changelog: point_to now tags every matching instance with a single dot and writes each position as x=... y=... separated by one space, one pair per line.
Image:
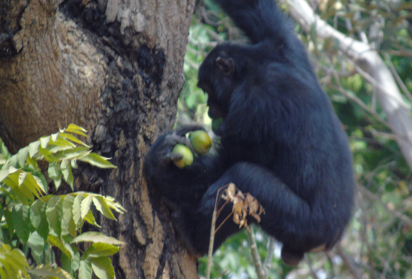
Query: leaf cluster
x=33 y=222
x=244 y=204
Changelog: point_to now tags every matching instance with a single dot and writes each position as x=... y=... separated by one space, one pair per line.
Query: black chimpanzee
x=280 y=141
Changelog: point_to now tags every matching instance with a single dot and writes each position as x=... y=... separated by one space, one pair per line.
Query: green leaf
x=28 y=185
x=22 y=155
x=71 y=265
x=73 y=139
x=12 y=181
x=59 y=145
x=34 y=148
x=96 y=237
x=76 y=260
x=54 y=214
x=101 y=205
x=67 y=172
x=40 y=184
x=55 y=174
x=100 y=249
x=68 y=224
x=72 y=153
x=22 y=176
x=95 y=159
x=21 y=221
x=66 y=263
x=73 y=163
x=13 y=161
x=74 y=129
x=12 y=262
x=48 y=156
x=31 y=184
x=103 y=268
x=47 y=271
x=85 y=270
x=44 y=141
x=85 y=205
x=9 y=221
x=61 y=244
x=77 y=216
x=12 y=169
x=38 y=218
x=54 y=136
x=90 y=219
x=3 y=174
x=3 y=149
x=54 y=171
x=36 y=244
x=37 y=174
x=32 y=162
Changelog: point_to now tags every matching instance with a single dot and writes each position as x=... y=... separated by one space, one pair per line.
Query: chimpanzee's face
x=215 y=78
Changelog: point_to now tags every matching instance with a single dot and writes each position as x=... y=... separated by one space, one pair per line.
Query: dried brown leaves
x=244 y=204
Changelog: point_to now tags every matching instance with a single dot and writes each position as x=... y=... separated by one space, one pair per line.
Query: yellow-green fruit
x=187 y=159
x=200 y=141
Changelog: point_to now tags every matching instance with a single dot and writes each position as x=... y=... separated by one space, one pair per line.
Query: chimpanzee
x=280 y=141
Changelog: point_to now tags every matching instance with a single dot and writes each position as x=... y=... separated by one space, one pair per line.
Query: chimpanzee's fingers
x=175 y=139
x=173 y=157
x=188 y=128
x=183 y=140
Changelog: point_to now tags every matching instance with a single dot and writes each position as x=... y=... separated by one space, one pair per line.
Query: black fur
x=280 y=142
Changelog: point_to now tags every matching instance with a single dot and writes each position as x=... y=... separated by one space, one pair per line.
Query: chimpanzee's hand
x=162 y=149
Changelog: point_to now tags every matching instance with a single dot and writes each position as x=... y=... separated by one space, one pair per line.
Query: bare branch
x=398 y=78
x=377 y=199
x=268 y=261
x=260 y=270
x=348 y=261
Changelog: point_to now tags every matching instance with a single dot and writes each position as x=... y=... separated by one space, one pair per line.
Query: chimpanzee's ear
x=225 y=65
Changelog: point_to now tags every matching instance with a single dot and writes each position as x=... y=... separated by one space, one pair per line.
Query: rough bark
x=114 y=67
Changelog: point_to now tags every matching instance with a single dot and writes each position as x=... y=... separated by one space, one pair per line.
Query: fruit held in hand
x=187 y=154
x=200 y=141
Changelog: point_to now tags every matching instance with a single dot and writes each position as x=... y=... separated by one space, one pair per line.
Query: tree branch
x=369 y=60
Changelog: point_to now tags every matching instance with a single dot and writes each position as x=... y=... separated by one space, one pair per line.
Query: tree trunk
x=114 y=67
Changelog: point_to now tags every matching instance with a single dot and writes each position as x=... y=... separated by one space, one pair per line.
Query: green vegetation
x=34 y=225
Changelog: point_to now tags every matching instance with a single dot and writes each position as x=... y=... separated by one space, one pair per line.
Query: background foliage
x=378 y=243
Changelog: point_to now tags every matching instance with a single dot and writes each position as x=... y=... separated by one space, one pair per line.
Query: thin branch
x=377 y=84
x=211 y=242
x=397 y=77
x=212 y=234
x=260 y=270
x=332 y=265
x=213 y=34
x=389 y=259
x=205 y=16
x=361 y=104
x=400 y=52
x=312 y=271
x=269 y=255
x=397 y=214
x=224 y=221
x=348 y=261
